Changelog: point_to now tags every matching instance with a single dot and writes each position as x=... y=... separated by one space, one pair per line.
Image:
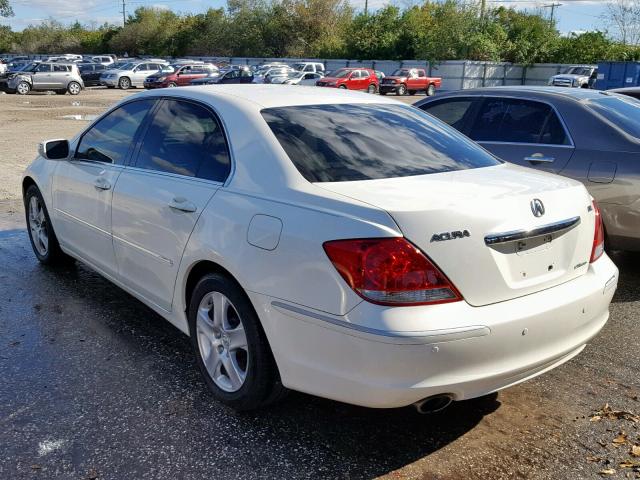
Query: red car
x=352 y=79
x=181 y=75
x=410 y=80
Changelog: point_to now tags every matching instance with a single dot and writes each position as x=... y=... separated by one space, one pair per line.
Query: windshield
x=123 y=66
x=622 y=111
x=401 y=72
x=294 y=74
x=578 y=71
x=298 y=66
x=346 y=142
x=341 y=73
x=27 y=68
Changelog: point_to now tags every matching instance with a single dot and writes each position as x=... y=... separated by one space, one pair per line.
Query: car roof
x=260 y=96
x=541 y=92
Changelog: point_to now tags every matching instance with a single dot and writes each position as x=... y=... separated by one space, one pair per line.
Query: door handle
x=182 y=204
x=538 y=158
x=102 y=183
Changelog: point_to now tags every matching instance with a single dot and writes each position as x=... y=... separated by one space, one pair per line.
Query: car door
x=178 y=166
x=186 y=74
x=41 y=76
x=141 y=72
x=522 y=131
x=83 y=186
x=310 y=79
x=60 y=76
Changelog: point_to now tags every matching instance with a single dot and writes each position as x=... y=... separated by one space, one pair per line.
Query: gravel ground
x=95 y=385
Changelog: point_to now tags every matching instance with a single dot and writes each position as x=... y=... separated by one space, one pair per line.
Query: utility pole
x=124 y=13
x=552 y=6
x=483 y=6
x=366 y=7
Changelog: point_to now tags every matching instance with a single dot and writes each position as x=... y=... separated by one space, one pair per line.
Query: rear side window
x=517 y=121
x=338 y=143
x=622 y=111
x=109 y=140
x=454 y=111
x=185 y=139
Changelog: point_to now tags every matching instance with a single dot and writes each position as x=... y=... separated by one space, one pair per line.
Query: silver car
x=59 y=77
x=588 y=135
x=132 y=74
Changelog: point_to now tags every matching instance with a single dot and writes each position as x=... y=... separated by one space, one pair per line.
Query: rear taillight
x=598 y=236
x=390 y=271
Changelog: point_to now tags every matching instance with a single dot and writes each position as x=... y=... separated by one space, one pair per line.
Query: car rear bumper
x=463 y=351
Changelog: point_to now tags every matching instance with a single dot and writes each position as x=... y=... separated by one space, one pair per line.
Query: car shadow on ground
x=140 y=363
x=629 y=265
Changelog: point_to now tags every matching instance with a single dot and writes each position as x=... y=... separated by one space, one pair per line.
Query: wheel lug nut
x=220 y=349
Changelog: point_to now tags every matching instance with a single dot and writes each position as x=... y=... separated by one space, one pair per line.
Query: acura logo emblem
x=537 y=207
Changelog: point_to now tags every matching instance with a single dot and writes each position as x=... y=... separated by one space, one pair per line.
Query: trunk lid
x=479 y=228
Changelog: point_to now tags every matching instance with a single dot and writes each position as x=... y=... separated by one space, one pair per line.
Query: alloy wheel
x=74 y=88
x=222 y=341
x=23 y=88
x=38 y=226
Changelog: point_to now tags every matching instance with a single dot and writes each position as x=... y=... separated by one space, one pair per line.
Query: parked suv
x=308 y=67
x=352 y=79
x=59 y=77
x=235 y=75
x=90 y=73
x=578 y=76
x=181 y=76
x=410 y=80
x=132 y=74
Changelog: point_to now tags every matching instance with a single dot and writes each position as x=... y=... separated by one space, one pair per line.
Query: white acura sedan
x=330 y=242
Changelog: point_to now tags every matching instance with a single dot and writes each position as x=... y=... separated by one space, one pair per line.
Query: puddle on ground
x=87 y=118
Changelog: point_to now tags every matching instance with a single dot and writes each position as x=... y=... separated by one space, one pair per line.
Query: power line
x=552 y=6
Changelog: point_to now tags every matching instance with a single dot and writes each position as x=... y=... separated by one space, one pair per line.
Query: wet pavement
x=95 y=385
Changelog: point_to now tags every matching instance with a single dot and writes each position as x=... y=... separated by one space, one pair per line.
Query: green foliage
x=432 y=30
x=5 y=9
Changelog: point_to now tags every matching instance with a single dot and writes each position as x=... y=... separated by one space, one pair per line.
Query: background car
x=235 y=75
x=182 y=75
x=299 y=78
x=351 y=79
x=56 y=76
x=267 y=76
x=131 y=74
x=103 y=59
x=91 y=72
x=308 y=67
x=411 y=81
x=588 y=135
x=577 y=76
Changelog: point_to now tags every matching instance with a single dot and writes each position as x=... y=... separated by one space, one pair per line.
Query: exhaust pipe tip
x=433 y=404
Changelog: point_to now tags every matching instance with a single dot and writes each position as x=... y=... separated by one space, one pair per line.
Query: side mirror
x=54 y=149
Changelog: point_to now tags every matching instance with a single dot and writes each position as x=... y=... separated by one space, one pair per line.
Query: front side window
x=185 y=139
x=109 y=140
x=514 y=120
x=401 y=72
x=337 y=143
x=43 y=68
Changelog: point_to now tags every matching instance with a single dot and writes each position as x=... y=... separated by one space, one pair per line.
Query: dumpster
x=618 y=75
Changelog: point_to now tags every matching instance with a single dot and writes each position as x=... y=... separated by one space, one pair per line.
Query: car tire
x=255 y=381
x=382 y=93
x=74 y=88
x=124 y=83
x=23 y=88
x=431 y=90
x=43 y=239
x=172 y=85
x=344 y=87
x=401 y=90
x=412 y=92
x=371 y=88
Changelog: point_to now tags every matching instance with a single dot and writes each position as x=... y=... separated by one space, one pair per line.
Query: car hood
x=569 y=77
x=395 y=77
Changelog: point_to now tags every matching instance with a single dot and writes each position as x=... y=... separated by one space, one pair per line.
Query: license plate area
x=532 y=246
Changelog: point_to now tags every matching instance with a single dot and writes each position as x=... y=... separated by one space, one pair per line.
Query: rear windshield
x=339 y=143
x=622 y=111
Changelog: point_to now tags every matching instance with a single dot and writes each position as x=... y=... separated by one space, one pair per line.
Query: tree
x=624 y=17
x=5 y=9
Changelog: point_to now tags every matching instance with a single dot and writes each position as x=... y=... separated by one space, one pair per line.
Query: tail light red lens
x=390 y=271
x=598 y=236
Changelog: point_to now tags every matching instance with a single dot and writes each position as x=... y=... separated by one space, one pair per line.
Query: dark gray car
x=588 y=135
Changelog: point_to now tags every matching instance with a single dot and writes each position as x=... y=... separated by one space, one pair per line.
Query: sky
x=573 y=15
